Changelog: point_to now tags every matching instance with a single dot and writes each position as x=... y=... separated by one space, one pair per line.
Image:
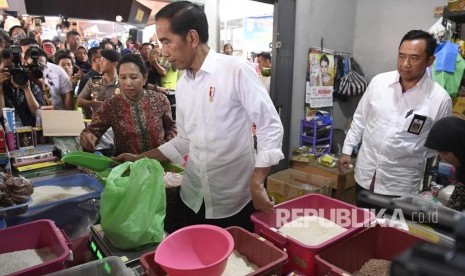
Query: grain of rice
x=238 y=265
x=50 y=193
x=311 y=230
x=18 y=260
x=375 y=267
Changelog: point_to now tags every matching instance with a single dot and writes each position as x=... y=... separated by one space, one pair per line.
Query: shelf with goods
x=317 y=135
x=455 y=16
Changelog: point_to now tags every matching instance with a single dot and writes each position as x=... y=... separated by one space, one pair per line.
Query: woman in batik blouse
x=141 y=119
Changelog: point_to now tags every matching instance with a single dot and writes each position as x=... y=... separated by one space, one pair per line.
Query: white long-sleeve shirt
x=214 y=115
x=381 y=122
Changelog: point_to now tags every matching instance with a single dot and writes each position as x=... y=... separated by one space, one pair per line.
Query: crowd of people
x=38 y=74
x=55 y=74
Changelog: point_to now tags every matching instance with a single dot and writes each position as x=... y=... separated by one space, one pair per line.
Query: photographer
x=26 y=99
x=55 y=78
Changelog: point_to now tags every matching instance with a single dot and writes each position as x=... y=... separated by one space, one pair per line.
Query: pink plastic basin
x=198 y=250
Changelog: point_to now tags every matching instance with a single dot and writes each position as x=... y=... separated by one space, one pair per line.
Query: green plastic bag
x=133 y=207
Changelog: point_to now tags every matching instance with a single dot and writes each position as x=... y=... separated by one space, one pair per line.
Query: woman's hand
x=88 y=142
x=125 y=157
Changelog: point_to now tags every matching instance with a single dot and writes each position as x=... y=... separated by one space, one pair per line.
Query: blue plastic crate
x=14 y=210
x=73 y=214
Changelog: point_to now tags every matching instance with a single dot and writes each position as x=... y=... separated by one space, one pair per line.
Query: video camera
x=22 y=73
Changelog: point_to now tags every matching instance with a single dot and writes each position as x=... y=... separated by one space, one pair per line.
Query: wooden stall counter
x=343 y=185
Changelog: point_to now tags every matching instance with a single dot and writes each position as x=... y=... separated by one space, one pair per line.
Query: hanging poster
x=320 y=79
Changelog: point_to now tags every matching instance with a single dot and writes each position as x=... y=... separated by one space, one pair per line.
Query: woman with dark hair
x=447 y=136
x=326 y=78
x=81 y=59
x=228 y=49
x=141 y=119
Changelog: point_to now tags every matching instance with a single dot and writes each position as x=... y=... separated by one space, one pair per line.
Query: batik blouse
x=139 y=125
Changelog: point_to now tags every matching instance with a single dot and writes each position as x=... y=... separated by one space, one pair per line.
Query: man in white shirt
x=393 y=119
x=217 y=99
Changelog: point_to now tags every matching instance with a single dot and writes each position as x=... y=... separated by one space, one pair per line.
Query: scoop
x=91 y=161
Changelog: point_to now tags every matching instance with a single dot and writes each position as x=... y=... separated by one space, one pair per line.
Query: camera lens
x=19 y=76
x=37 y=73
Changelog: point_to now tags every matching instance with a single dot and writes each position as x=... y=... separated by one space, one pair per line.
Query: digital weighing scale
x=101 y=247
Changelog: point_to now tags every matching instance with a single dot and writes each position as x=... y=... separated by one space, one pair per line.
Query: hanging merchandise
x=339 y=62
x=450 y=81
x=448 y=67
x=320 y=79
x=352 y=83
x=446 y=55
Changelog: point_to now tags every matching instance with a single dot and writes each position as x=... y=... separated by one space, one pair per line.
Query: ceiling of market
x=154 y=5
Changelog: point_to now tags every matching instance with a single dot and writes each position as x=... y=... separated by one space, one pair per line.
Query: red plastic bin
x=264 y=254
x=349 y=255
x=36 y=235
x=301 y=256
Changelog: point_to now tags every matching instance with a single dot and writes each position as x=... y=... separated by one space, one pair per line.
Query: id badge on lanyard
x=417 y=124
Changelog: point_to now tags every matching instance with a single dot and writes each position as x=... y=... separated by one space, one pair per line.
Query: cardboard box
x=24 y=138
x=62 y=122
x=343 y=185
x=290 y=183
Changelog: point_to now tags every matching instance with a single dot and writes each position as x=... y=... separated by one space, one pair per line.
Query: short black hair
x=70 y=33
x=106 y=41
x=61 y=54
x=10 y=31
x=136 y=59
x=185 y=16
x=92 y=52
x=28 y=41
x=265 y=55
x=41 y=52
x=420 y=34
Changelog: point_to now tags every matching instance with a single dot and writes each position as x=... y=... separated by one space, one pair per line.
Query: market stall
x=67 y=209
